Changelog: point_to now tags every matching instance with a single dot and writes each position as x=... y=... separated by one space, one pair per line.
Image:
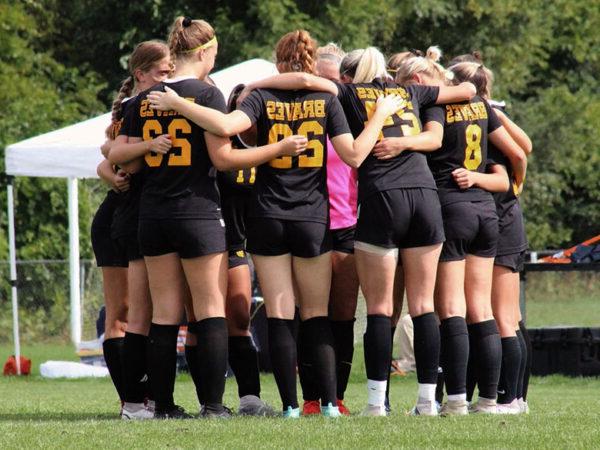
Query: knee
x=238 y=321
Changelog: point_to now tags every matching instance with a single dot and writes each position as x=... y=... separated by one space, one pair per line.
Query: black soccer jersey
x=294 y=188
x=236 y=181
x=182 y=183
x=407 y=170
x=465 y=144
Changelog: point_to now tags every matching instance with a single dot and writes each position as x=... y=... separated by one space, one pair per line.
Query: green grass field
x=40 y=413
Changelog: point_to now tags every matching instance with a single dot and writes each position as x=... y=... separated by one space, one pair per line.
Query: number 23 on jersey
x=181 y=149
x=281 y=131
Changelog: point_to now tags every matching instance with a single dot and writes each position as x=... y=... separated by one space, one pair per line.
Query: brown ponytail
x=296 y=52
x=186 y=34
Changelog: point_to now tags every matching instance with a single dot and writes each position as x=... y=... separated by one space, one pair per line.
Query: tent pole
x=74 y=292
x=13 y=271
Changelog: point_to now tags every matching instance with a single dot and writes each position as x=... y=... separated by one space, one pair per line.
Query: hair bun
x=434 y=53
x=186 y=22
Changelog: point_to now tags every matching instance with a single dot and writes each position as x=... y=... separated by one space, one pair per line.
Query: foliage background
x=62 y=61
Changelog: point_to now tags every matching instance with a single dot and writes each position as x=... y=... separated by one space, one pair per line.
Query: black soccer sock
x=282 y=349
x=212 y=350
x=377 y=346
x=162 y=363
x=489 y=357
x=472 y=366
x=454 y=354
x=528 y=360
x=113 y=356
x=427 y=348
x=243 y=359
x=308 y=383
x=317 y=332
x=135 y=367
x=389 y=375
x=191 y=356
x=343 y=336
x=509 y=373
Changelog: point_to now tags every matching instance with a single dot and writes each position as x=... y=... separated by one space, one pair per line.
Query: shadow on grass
x=56 y=416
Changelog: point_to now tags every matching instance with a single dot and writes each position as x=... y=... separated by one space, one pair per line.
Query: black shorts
x=237 y=258
x=343 y=239
x=401 y=218
x=130 y=247
x=235 y=210
x=107 y=251
x=273 y=237
x=512 y=239
x=189 y=238
x=471 y=229
x=515 y=262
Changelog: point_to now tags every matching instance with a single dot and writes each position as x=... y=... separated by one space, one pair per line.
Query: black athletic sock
x=162 y=363
x=454 y=354
x=427 y=347
x=387 y=387
x=377 y=345
x=113 y=356
x=472 y=366
x=191 y=356
x=212 y=358
x=488 y=350
x=135 y=367
x=282 y=350
x=528 y=360
x=343 y=336
x=308 y=383
x=243 y=360
x=317 y=332
x=509 y=373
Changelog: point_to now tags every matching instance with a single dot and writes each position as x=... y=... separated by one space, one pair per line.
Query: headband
x=206 y=45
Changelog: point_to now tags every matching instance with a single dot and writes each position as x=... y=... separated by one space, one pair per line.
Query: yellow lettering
x=271 y=109
x=319 y=108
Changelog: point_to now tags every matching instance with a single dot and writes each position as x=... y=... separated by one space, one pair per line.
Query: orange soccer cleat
x=311 y=407
x=343 y=409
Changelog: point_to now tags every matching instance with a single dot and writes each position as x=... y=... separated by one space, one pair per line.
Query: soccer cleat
x=251 y=405
x=175 y=412
x=455 y=408
x=524 y=406
x=311 y=407
x=215 y=412
x=150 y=405
x=343 y=409
x=330 y=411
x=291 y=413
x=136 y=411
x=484 y=406
x=509 y=408
x=374 y=411
x=425 y=408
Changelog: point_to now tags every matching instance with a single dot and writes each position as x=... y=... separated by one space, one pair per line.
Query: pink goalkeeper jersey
x=342 y=187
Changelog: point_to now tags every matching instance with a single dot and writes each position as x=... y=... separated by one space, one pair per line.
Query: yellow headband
x=208 y=44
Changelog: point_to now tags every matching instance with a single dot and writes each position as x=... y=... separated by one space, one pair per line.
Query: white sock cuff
x=376 y=392
x=427 y=391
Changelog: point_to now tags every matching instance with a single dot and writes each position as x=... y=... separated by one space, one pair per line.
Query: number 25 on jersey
x=280 y=131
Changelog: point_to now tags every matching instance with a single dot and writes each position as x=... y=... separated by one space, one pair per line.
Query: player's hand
x=293 y=145
x=161 y=144
x=464 y=178
x=105 y=148
x=163 y=101
x=389 y=104
x=245 y=93
x=388 y=148
x=121 y=181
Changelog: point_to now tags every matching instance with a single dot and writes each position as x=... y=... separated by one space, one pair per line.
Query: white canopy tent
x=74 y=152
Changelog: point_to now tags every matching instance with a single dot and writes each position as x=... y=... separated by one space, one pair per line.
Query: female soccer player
x=399 y=209
x=470 y=222
x=180 y=223
x=287 y=234
x=126 y=290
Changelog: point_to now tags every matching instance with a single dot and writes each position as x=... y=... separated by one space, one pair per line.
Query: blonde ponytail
x=370 y=66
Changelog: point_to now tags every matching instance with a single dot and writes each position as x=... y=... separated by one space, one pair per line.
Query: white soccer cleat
x=509 y=408
x=524 y=406
x=136 y=411
x=484 y=406
x=374 y=411
x=425 y=408
x=455 y=408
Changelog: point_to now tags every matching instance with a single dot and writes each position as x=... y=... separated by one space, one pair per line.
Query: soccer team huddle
x=343 y=171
